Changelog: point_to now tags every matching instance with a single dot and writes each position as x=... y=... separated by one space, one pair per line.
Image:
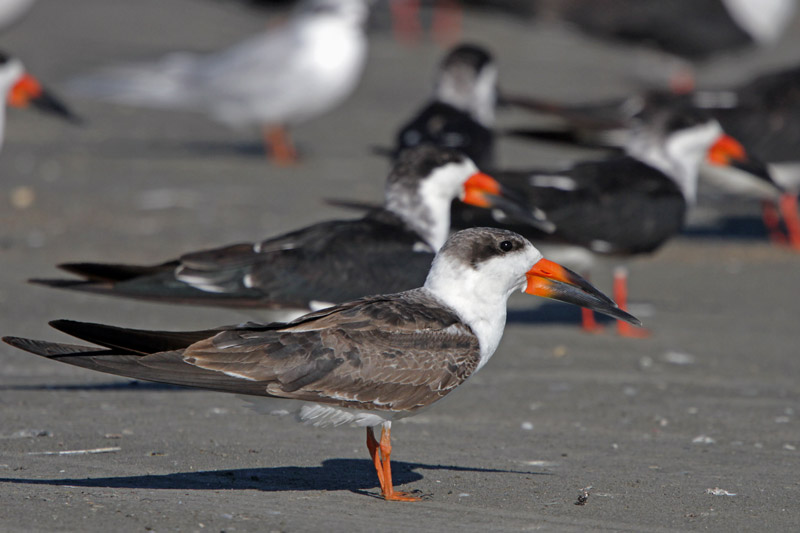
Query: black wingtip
x=76 y=328
x=13 y=341
x=65 y=325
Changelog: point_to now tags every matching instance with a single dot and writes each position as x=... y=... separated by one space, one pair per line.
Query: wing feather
x=399 y=352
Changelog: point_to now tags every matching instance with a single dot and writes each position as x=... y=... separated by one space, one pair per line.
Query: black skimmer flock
x=388 y=250
x=20 y=89
x=366 y=362
x=619 y=206
x=461 y=113
x=283 y=76
x=757 y=160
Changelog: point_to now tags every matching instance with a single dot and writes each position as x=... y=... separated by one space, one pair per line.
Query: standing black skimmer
x=366 y=362
x=763 y=116
x=622 y=205
x=461 y=113
x=687 y=30
x=20 y=89
x=280 y=77
x=388 y=250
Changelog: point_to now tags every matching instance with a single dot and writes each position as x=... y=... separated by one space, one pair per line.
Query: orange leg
x=372 y=446
x=791 y=218
x=588 y=322
x=278 y=145
x=621 y=297
x=772 y=221
x=447 y=22
x=381 y=453
x=405 y=20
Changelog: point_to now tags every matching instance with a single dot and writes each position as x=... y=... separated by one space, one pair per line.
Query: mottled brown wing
x=377 y=353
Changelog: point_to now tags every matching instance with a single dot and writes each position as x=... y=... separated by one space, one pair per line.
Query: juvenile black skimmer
x=283 y=76
x=763 y=116
x=461 y=113
x=622 y=205
x=388 y=250
x=367 y=362
x=20 y=89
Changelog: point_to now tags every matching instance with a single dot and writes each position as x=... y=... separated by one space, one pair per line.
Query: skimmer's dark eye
x=506 y=246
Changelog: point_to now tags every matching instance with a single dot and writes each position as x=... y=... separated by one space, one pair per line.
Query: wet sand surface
x=694 y=428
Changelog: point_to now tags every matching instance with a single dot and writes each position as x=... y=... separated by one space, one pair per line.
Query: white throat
x=479 y=295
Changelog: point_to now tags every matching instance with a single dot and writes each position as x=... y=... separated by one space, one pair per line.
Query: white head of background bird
x=676 y=142
x=467 y=80
x=426 y=179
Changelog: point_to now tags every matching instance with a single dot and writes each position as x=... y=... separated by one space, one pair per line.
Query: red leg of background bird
x=791 y=218
x=372 y=446
x=405 y=21
x=447 y=22
x=389 y=494
x=588 y=322
x=682 y=81
x=278 y=145
x=621 y=297
x=772 y=221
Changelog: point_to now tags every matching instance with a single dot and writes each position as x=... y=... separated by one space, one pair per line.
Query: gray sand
x=709 y=403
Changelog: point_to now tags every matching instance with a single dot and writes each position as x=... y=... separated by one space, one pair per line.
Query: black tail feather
x=130 y=341
x=113 y=272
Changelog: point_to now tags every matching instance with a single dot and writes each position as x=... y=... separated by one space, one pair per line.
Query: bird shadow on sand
x=551 y=313
x=168 y=149
x=354 y=475
x=744 y=228
x=108 y=386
